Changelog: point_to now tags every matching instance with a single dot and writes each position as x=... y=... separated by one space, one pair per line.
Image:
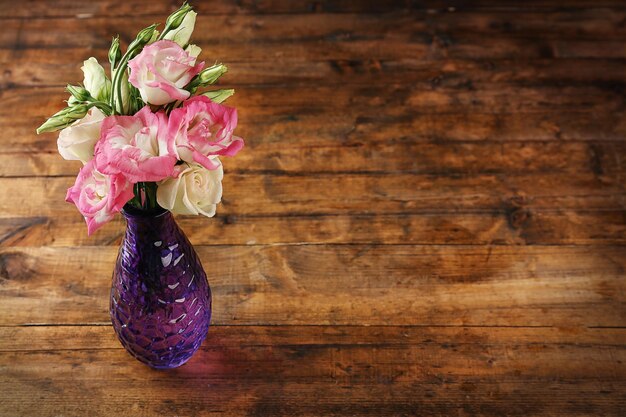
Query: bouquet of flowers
x=147 y=136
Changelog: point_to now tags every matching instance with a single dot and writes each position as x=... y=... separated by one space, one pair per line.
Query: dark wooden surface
x=429 y=216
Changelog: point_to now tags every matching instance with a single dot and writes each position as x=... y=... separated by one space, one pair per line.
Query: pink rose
x=202 y=129
x=98 y=197
x=136 y=146
x=161 y=71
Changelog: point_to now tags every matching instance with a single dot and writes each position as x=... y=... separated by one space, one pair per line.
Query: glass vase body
x=160 y=298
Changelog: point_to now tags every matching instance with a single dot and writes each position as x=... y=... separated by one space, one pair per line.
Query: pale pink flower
x=136 y=146
x=97 y=196
x=202 y=129
x=161 y=71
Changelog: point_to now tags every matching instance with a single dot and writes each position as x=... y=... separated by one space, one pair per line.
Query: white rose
x=196 y=190
x=182 y=34
x=96 y=81
x=77 y=141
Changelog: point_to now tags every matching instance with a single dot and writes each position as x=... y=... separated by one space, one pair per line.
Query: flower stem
x=145 y=196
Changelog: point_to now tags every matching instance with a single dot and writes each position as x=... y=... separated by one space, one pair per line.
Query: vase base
x=162 y=365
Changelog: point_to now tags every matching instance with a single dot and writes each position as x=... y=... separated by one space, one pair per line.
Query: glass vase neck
x=133 y=212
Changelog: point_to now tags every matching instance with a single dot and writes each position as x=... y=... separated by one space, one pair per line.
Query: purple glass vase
x=160 y=298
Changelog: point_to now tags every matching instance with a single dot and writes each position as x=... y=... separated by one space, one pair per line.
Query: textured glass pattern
x=160 y=298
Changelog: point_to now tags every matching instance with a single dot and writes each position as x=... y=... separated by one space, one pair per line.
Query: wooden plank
x=389 y=100
x=380 y=113
x=108 y=8
x=383 y=371
x=287 y=126
x=403 y=155
x=515 y=226
x=543 y=126
x=340 y=36
x=358 y=194
x=571 y=25
x=344 y=284
x=23 y=339
x=44 y=67
x=100 y=8
x=212 y=397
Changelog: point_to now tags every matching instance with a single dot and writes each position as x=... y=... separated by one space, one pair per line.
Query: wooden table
x=428 y=217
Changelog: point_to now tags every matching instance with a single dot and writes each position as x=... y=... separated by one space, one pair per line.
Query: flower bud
x=64 y=118
x=219 y=96
x=144 y=36
x=78 y=93
x=114 y=52
x=207 y=76
x=211 y=74
x=154 y=37
x=176 y=19
x=124 y=91
x=96 y=81
x=182 y=33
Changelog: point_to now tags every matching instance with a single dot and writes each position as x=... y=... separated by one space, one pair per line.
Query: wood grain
x=109 y=8
x=509 y=226
x=391 y=100
x=323 y=370
x=345 y=36
x=345 y=129
x=43 y=67
x=344 y=284
x=358 y=193
x=323 y=153
x=569 y=25
x=428 y=217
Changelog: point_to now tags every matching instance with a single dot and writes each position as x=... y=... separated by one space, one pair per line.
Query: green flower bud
x=78 y=93
x=176 y=19
x=219 y=96
x=182 y=33
x=144 y=36
x=114 y=52
x=207 y=76
x=212 y=74
x=64 y=118
x=124 y=93
x=154 y=37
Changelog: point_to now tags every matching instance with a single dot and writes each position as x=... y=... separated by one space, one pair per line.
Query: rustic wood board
x=321 y=370
x=429 y=216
